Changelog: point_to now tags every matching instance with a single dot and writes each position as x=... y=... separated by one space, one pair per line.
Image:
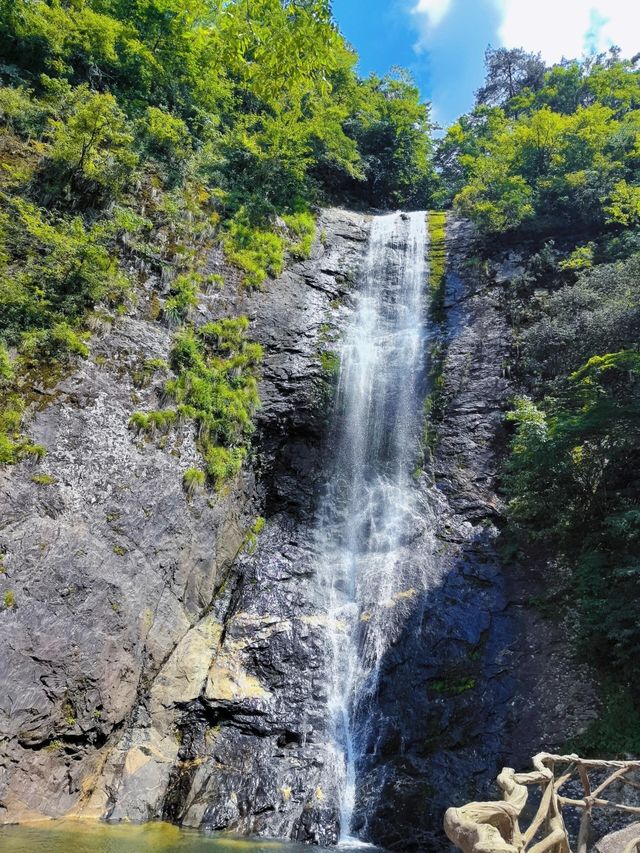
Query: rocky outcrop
x=124 y=653
x=160 y=664
x=489 y=678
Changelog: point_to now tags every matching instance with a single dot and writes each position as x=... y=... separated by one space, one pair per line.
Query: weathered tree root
x=494 y=827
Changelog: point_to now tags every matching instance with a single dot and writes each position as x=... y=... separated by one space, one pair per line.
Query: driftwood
x=495 y=827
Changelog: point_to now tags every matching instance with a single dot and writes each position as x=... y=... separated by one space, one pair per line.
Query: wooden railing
x=495 y=827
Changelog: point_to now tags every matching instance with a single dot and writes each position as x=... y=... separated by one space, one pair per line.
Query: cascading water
x=371 y=504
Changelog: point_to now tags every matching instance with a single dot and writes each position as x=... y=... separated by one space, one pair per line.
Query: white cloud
x=570 y=28
x=430 y=14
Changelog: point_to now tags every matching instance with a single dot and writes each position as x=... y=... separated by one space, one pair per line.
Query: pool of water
x=80 y=837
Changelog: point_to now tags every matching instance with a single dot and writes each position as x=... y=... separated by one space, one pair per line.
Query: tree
x=92 y=145
x=509 y=73
x=391 y=126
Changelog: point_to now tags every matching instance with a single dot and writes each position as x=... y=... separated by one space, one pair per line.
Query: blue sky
x=443 y=41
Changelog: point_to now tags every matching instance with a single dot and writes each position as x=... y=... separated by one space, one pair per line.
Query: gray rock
x=152 y=668
x=138 y=640
x=617 y=842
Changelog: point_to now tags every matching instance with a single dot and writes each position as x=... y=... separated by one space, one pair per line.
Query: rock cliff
x=132 y=613
x=161 y=663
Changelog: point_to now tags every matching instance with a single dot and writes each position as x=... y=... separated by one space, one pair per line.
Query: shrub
x=167 y=135
x=20 y=110
x=251 y=541
x=92 y=146
x=330 y=362
x=183 y=295
x=59 y=342
x=52 y=270
x=223 y=464
x=571 y=479
x=257 y=252
x=7 y=372
x=9 y=599
x=192 y=480
x=616 y=732
x=13 y=445
x=303 y=226
x=580 y=259
x=216 y=389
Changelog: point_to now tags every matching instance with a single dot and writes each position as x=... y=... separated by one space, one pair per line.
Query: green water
x=77 y=837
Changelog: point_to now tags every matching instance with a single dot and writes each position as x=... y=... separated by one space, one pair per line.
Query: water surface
x=81 y=837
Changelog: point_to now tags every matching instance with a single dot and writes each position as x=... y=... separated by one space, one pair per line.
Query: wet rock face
x=159 y=666
x=479 y=678
x=109 y=566
x=258 y=732
x=145 y=671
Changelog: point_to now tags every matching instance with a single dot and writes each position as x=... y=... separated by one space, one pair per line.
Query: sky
x=443 y=41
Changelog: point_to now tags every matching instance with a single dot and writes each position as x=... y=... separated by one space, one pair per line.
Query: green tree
x=91 y=147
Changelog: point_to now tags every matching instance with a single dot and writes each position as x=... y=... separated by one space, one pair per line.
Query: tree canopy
x=547 y=149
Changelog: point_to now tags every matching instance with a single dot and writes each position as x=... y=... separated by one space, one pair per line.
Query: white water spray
x=371 y=503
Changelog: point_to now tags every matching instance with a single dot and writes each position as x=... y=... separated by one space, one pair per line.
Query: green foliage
x=59 y=342
x=9 y=599
x=51 y=270
x=258 y=252
x=7 y=373
x=597 y=313
x=510 y=75
x=571 y=481
x=580 y=259
x=555 y=151
x=167 y=136
x=19 y=111
x=183 y=295
x=43 y=479
x=91 y=146
x=454 y=686
x=544 y=149
x=261 y=253
x=437 y=225
x=434 y=403
x=303 y=227
x=192 y=480
x=624 y=204
x=134 y=135
x=13 y=445
x=153 y=422
x=616 y=732
x=391 y=126
x=330 y=363
x=215 y=388
x=251 y=541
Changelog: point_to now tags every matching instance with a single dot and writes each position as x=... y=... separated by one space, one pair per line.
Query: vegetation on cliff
x=135 y=135
x=550 y=159
x=216 y=389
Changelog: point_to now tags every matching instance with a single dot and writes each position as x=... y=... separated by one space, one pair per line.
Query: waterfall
x=371 y=503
